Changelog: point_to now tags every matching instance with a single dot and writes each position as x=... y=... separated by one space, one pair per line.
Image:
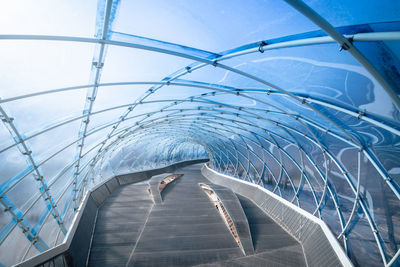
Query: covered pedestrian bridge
x=272 y=127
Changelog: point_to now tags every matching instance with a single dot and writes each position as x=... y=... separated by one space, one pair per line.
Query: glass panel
x=37 y=214
x=12 y=165
x=64 y=178
x=5 y=137
x=362 y=242
x=127 y=65
x=24 y=193
x=38 y=113
x=45 y=145
x=382 y=204
x=46 y=65
x=33 y=251
x=322 y=72
x=52 y=167
x=33 y=17
x=210 y=25
x=342 y=12
x=95 y=139
x=385 y=57
x=112 y=96
x=18 y=244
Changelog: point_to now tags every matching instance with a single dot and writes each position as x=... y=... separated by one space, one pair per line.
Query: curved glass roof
x=299 y=97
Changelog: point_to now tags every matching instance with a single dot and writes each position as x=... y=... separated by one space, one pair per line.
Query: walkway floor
x=186 y=230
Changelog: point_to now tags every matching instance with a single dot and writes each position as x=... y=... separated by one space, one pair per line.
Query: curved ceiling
x=299 y=97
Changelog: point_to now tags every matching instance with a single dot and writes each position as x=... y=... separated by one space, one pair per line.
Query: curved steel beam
x=216 y=64
x=96 y=70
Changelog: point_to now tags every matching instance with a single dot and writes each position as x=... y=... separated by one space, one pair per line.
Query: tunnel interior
x=298 y=97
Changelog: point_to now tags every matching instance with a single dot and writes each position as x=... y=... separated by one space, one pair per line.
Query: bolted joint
x=188 y=69
x=261 y=46
x=344 y=46
x=8 y=120
x=97 y=64
x=388 y=179
x=347 y=45
x=27 y=153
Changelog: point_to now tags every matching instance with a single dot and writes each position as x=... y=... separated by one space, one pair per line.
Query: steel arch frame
x=367 y=152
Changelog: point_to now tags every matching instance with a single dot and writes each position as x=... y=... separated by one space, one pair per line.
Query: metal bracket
x=345 y=46
x=8 y=120
x=97 y=64
x=261 y=46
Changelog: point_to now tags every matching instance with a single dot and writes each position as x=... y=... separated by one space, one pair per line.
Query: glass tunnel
x=299 y=97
